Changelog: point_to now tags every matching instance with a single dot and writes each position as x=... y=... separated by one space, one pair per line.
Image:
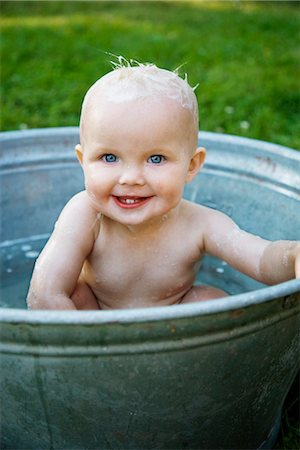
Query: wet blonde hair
x=131 y=80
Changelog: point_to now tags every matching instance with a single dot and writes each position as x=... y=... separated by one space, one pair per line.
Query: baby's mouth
x=130 y=201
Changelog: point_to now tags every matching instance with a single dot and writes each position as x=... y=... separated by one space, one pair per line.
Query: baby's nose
x=132 y=175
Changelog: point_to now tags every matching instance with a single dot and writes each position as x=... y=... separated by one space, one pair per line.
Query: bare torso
x=94 y=262
x=129 y=269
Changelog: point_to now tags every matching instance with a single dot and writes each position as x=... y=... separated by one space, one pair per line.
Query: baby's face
x=137 y=157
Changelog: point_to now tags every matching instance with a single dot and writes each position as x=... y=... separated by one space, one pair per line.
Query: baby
x=129 y=239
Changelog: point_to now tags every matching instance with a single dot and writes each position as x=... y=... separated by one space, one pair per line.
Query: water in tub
x=18 y=258
x=17 y=261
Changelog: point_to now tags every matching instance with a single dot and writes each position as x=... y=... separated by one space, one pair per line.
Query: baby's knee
x=201 y=293
x=83 y=297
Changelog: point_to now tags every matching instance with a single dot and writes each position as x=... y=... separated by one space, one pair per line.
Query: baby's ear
x=78 y=151
x=196 y=163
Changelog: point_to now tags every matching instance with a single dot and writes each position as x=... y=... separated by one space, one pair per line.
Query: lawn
x=245 y=57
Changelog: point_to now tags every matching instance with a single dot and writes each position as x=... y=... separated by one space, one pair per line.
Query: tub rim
x=139 y=315
x=153 y=314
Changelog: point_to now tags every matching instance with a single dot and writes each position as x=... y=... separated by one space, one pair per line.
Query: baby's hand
x=281 y=261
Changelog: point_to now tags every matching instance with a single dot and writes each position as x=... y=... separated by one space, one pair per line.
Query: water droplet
x=220 y=270
x=31 y=254
x=26 y=248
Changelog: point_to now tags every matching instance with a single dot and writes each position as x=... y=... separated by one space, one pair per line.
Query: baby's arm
x=280 y=261
x=59 y=265
x=266 y=261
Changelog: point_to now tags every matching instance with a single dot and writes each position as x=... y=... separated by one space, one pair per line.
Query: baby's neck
x=152 y=227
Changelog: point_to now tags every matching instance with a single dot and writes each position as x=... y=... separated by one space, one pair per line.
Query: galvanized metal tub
x=206 y=375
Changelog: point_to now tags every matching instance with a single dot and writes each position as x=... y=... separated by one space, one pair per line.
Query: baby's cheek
x=91 y=187
x=91 y=179
x=97 y=185
x=93 y=173
x=174 y=188
x=172 y=196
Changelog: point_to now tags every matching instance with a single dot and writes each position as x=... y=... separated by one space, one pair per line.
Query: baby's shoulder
x=79 y=212
x=204 y=216
x=81 y=202
x=195 y=210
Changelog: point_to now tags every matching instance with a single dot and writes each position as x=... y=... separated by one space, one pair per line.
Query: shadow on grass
x=10 y=8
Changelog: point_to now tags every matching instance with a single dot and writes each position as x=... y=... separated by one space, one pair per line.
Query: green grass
x=245 y=57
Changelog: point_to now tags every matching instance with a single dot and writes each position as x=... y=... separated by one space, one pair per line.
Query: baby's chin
x=152 y=221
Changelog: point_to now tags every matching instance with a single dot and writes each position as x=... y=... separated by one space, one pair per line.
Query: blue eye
x=156 y=159
x=109 y=158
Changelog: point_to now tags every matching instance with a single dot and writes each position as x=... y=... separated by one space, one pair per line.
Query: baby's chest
x=150 y=265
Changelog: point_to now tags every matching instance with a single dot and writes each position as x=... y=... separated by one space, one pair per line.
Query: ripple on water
x=17 y=262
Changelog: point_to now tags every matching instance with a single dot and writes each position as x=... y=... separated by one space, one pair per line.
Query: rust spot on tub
x=289 y=301
x=235 y=314
x=268 y=163
x=119 y=435
x=147 y=326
